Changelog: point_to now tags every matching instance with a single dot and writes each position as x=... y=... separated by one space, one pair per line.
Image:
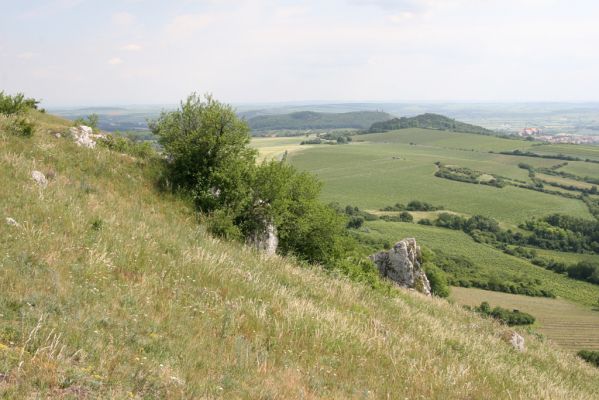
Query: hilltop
x=111 y=289
x=317 y=120
x=428 y=121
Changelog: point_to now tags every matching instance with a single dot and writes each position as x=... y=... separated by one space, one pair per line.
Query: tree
x=207 y=148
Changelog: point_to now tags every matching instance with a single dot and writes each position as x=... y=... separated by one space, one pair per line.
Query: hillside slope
x=317 y=120
x=428 y=121
x=112 y=290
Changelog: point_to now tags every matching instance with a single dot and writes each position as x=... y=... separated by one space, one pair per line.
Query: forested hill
x=428 y=121
x=317 y=120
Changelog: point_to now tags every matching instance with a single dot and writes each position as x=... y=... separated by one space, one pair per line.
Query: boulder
x=514 y=339
x=403 y=265
x=39 y=178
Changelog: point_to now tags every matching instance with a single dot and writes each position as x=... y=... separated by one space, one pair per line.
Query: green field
x=575 y=150
x=569 y=325
x=380 y=174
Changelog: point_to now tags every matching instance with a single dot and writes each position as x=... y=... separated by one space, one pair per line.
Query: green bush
x=10 y=105
x=17 y=126
x=590 y=356
x=437 y=279
x=405 y=217
x=511 y=318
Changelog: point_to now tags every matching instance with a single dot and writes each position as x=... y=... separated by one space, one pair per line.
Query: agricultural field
x=275 y=147
x=445 y=139
x=568 y=325
x=575 y=150
x=581 y=168
x=375 y=175
x=565 y=181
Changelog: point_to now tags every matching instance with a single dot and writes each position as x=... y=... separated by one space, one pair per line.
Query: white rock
x=266 y=240
x=39 y=178
x=514 y=339
x=84 y=136
x=11 y=221
x=403 y=265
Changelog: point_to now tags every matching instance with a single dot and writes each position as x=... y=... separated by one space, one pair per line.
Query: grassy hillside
x=428 y=121
x=317 y=120
x=112 y=290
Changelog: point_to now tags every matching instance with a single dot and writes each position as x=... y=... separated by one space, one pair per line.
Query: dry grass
x=112 y=290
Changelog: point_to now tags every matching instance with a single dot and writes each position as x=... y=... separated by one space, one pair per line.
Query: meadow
x=111 y=289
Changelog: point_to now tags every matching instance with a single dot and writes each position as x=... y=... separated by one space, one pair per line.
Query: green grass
x=488 y=260
x=112 y=290
x=567 y=324
x=445 y=139
x=575 y=150
x=581 y=168
x=368 y=176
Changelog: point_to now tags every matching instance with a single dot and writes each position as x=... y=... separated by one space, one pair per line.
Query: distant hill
x=428 y=121
x=317 y=120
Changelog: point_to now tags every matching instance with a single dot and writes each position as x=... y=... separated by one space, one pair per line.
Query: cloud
x=123 y=18
x=291 y=11
x=186 y=25
x=401 y=17
x=131 y=47
x=26 y=55
x=115 y=61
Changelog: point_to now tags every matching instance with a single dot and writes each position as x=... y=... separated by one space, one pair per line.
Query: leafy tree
x=207 y=147
x=405 y=216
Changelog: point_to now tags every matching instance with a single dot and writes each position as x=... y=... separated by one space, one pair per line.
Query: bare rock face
x=39 y=178
x=403 y=265
x=514 y=339
x=84 y=136
x=266 y=240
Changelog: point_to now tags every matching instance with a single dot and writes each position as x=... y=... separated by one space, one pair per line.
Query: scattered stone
x=39 y=178
x=84 y=136
x=514 y=339
x=403 y=265
x=58 y=135
x=266 y=240
x=11 y=221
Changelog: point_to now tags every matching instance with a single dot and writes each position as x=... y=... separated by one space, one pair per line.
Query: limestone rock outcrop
x=84 y=136
x=39 y=178
x=403 y=265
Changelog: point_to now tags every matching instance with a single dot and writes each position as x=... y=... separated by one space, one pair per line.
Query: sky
x=108 y=52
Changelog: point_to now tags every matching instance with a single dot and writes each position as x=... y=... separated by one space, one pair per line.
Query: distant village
x=538 y=134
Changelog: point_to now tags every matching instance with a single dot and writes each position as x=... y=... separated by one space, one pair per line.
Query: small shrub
x=590 y=356
x=406 y=217
x=511 y=318
x=18 y=126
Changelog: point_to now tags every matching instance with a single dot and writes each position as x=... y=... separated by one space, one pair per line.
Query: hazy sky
x=75 y=52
